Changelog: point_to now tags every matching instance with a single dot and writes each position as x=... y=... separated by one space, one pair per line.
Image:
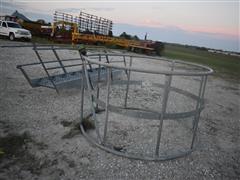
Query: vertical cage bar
x=125 y=64
x=198 y=105
x=98 y=81
x=128 y=79
x=204 y=87
x=198 y=100
x=82 y=93
x=107 y=104
x=107 y=59
x=168 y=80
x=90 y=89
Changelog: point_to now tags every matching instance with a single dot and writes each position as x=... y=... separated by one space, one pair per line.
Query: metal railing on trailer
x=83 y=22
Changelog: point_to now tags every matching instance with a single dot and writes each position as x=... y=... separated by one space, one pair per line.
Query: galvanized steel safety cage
x=95 y=66
x=162 y=115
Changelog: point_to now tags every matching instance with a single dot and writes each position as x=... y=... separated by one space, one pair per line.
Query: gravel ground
x=39 y=138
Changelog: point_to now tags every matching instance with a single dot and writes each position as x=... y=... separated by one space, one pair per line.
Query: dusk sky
x=208 y=23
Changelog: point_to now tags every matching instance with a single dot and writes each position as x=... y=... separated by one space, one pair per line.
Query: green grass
x=220 y=63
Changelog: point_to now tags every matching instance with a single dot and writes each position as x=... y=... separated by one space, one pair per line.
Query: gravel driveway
x=39 y=138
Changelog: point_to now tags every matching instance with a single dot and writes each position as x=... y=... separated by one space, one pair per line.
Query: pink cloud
x=230 y=32
x=227 y=32
x=151 y=23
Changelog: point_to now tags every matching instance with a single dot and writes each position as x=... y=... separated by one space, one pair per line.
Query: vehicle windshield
x=13 y=25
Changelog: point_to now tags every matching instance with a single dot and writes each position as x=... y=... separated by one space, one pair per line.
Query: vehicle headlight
x=24 y=32
x=18 y=32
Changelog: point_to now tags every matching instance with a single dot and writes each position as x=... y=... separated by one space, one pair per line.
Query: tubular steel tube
x=128 y=79
x=82 y=93
x=143 y=113
x=136 y=157
x=92 y=105
x=107 y=59
x=93 y=63
x=98 y=80
x=198 y=99
x=199 y=103
x=204 y=87
x=45 y=69
x=49 y=62
x=107 y=104
x=59 y=60
x=125 y=64
x=168 y=80
x=206 y=70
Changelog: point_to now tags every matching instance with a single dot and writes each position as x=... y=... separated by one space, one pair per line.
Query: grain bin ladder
x=59 y=71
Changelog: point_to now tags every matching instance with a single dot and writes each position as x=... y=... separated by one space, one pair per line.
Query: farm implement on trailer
x=91 y=29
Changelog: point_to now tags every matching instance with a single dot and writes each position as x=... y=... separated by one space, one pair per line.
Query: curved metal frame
x=136 y=112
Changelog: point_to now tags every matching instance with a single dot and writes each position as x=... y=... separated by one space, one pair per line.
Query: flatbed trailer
x=125 y=43
x=97 y=31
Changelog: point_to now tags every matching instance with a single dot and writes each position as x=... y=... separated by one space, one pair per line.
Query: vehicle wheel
x=11 y=36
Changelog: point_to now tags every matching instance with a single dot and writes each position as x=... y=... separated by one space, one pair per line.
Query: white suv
x=14 y=30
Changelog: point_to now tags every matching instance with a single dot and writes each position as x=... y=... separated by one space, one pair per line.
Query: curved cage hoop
x=135 y=99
